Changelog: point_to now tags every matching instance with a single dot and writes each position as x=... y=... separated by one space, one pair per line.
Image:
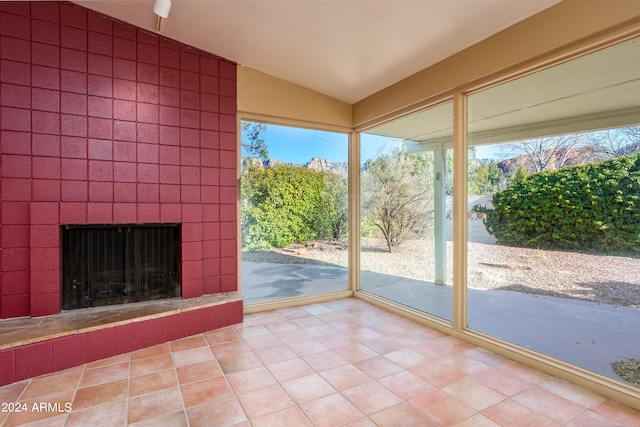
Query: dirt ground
x=599 y=278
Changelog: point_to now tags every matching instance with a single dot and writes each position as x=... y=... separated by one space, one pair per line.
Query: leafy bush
x=592 y=206
x=288 y=204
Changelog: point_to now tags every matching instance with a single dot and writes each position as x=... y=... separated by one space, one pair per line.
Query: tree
x=397 y=196
x=251 y=141
x=518 y=176
x=485 y=178
x=545 y=153
x=612 y=143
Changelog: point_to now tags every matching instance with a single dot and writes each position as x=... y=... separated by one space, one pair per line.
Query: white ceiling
x=346 y=49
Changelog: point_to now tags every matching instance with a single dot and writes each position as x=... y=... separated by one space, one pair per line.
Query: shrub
x=288 y=204
x=593 y=206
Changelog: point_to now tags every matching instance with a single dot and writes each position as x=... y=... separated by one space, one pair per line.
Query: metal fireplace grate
x=118 y=264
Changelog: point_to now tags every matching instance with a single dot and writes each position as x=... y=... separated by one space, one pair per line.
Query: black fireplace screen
x=106 y=265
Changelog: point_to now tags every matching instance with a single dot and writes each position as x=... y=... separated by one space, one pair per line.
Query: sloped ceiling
x=346 y=49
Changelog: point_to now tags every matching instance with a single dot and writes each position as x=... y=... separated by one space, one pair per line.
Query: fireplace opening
x=119 y=264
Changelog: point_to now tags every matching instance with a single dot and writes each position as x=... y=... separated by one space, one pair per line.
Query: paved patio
x=339 y=363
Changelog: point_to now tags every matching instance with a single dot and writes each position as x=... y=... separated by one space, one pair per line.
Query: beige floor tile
x=221 y=336
x=155 y=350
x=199 y=371
x=266 y=400
x=502 y=382
x=407 y=358
x=279 y=353
x=572 y=392
x=464 y=363
x=307 y=347
x=114 y=360
x=52 y=384
x=308 y=388
x=438 y=374
x=474 y=394
x=175 y=419
x=406 y=385
x=147 y=365
x=477 y=420
x=242 y=362
x=591 y=419
x=330 y=411
x=442 y=408
x=345 y=377
x=188 y=343
x=524 y=372
x=355 y=352
x=371 y=397
x=198 y=393
x=383 y=345
x=104 y=374
x=290 y=369
x=100 y=394
x=290 y=417
x=13 y=392
x=113 y=414
x=263 y=342
x=230 y=349
x=253 y=331
x=622 y=414
x=401 y=415
x=154 y=404
x=378 y=367
x=226 y=412
x=486 y=356
x=324 y=360
x=191 y=356
x=55 y=421
x=152 y=382
x=251 y=379
x=513 y=414
x=550 y=404
x=320 y=330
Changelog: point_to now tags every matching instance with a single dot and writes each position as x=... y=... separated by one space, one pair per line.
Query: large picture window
x=553 y=160
x=294 y=212
x=406 y=197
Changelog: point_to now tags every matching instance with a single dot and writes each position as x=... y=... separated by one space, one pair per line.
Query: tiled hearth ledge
x=35 y=346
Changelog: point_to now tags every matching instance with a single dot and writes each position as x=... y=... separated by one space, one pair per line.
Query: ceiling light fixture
x=161 y=8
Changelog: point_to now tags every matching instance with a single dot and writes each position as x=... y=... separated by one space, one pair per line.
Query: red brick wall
x=102 y=122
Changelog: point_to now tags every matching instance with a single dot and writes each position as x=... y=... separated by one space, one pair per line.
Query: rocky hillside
x=316 y=163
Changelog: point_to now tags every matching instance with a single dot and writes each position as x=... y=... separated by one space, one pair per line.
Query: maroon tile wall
x=103 y=122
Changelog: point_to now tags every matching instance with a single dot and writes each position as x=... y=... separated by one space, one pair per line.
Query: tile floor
x=340 y=363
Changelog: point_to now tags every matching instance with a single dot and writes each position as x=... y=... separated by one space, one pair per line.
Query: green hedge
x=288 y=204
x=594 y=206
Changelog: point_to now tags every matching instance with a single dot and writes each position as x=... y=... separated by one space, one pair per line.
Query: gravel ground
x=604 y=279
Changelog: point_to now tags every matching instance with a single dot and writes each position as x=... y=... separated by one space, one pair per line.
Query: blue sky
x=296 y=145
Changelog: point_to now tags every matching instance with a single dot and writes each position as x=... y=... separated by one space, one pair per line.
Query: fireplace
x=119 y=264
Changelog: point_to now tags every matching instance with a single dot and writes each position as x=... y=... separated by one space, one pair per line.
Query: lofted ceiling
x=346 y=49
